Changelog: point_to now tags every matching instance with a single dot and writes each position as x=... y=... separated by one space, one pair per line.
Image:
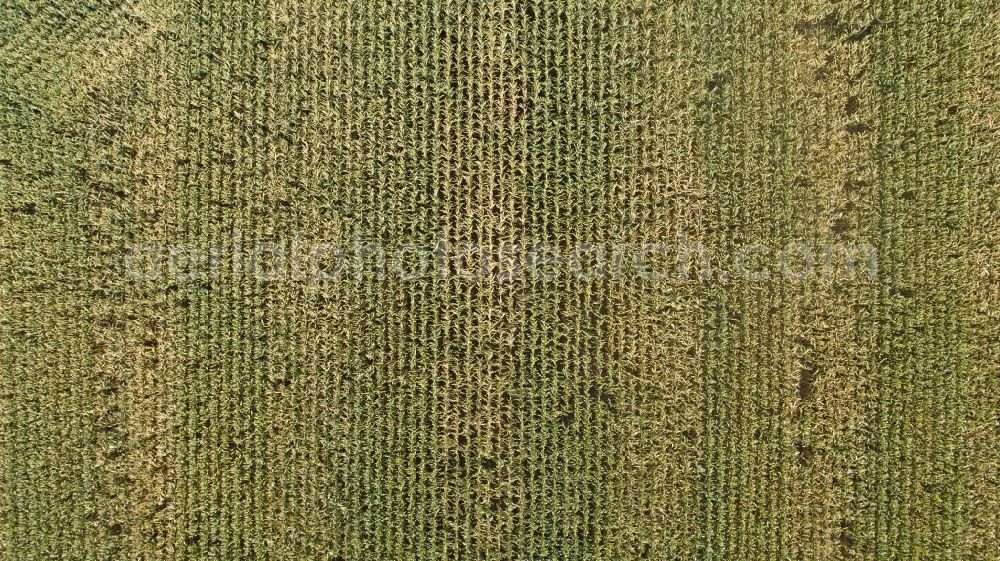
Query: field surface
x=272 y=282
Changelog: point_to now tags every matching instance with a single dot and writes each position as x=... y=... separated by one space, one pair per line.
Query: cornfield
x=510 y=280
